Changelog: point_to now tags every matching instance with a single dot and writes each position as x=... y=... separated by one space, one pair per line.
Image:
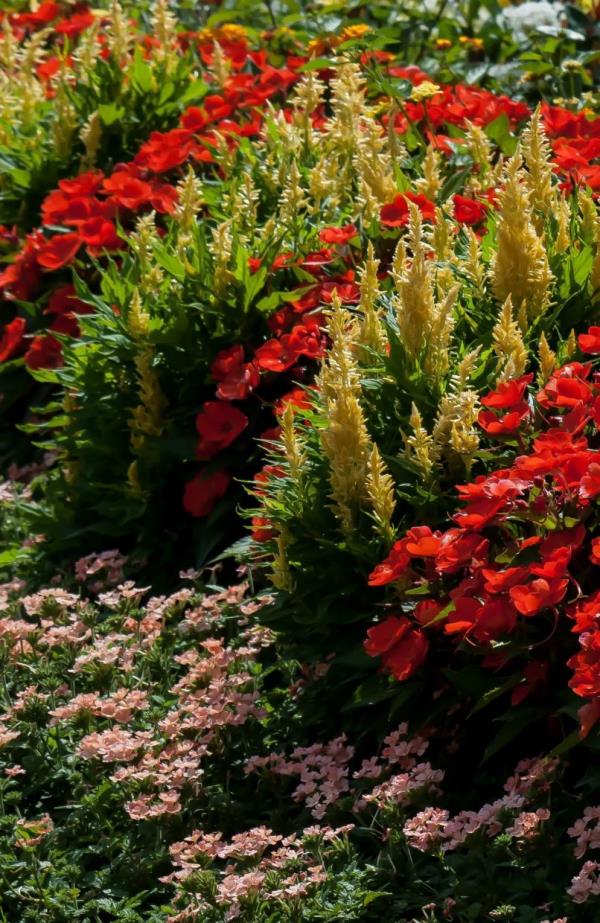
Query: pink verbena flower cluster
x=435 y=829
x=325 y=774
x=282 y=869
x=106 y=714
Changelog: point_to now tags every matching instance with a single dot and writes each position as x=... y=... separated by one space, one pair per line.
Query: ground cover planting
x=300 y=398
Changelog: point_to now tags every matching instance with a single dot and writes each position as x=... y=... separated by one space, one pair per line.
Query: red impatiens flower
x=127 y=190
x=43 y=15
x=499 y=581
x=585 y=664
x=539 y=594
x=382 y=636
x=507 y=425
x=279 y=355
x=567 y=387
x=457 y=550
x=73 y=25
x=402 y=647
x=508 y=394
x=203 y=491
x=236 y=377
x=590 y=342
x=99 y=234
x=469 y=211
x=58 y=250
x=408 y=655
x=165 y=150
x=298 y=398
x=45 y=351
x=590 y=482
x=427 y=611
x=219 y=424
x=12 y=338
x=85 y=184
x=485 y=621
x=395 y=566
x=595 y=555
x=396 y=213
x=64 y=300
x=338 y=235
x=422 y=542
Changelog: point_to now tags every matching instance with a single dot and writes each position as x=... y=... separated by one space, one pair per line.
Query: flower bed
x=299 y=315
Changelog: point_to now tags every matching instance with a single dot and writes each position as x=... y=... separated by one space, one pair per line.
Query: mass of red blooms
x=519 y=560
x=90 y=206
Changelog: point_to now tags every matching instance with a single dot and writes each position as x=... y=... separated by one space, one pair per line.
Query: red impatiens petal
x=58 y=250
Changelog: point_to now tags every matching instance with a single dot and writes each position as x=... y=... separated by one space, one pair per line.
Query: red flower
x=298 y=398
x=485 y=621
x=468 y=211
x=498 y=581
x=553 y=566
x=508 y=394
x=539 y=594
x=279 y=355
x=403 y=647
x=75 y=24
x=590 y=342
x=165 y=150
x=83 y=185
x=236 y=378
x=586 y=614
x=458 y=550
x=590 y=482
x=396 y=213
x=58 y=250
x=479 y=514
x=503 y=426
x=421 y=542
x=566 y=387
x=219 y=424
x=63 y=300
x=163 y=197
x=595 y=555
x=44 y=14
x=12 y=338
x=338 y=235
x=586 y=667
x=262 y=529
x=408 y=655
x=127 y=190
x=384 y=635
x=45 y=351
x=462 y=618
x=203 y=491
x=393 y=567
x=99 y=234
x=426 y=612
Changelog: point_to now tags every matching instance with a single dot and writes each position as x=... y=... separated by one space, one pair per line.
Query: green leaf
x=169 y=261
x=142 y=72
x=12 y=554
x=371 y=692
x=110 y=113
x=196 y=91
